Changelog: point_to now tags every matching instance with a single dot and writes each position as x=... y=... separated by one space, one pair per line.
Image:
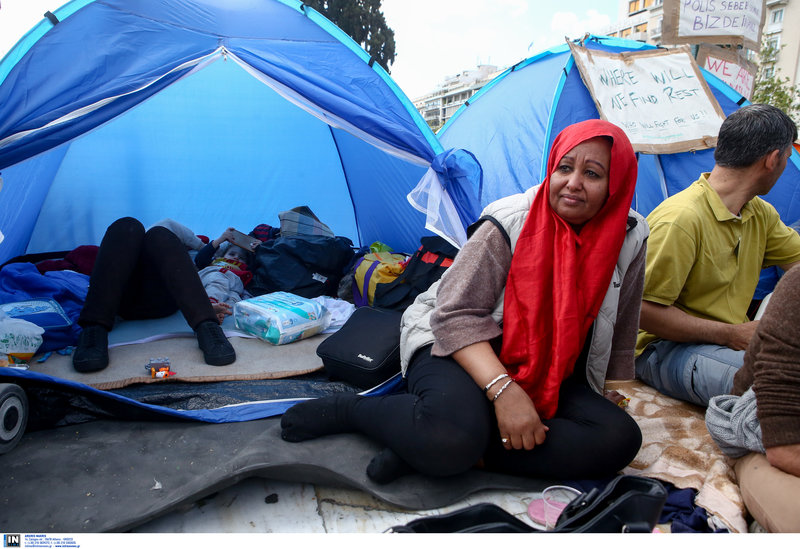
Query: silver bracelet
x=495 y=380
x=503 y=388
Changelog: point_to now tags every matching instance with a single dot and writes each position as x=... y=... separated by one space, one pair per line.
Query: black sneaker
x=217 y=350
x=91 y=354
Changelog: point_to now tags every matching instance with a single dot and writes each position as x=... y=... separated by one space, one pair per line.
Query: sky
x=434 y=39
x=439 y=38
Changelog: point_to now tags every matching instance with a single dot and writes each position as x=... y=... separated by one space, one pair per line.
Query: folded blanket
x=80 y=260
x=733 y=424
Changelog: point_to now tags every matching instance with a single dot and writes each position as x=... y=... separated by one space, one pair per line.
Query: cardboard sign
x=730 y=66
x=731 y=22
x=659 y=97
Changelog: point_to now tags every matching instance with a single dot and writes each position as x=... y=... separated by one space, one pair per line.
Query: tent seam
x=86 y=109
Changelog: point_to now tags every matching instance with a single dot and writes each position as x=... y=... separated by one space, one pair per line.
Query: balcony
x=773 y=28
x=655 y=32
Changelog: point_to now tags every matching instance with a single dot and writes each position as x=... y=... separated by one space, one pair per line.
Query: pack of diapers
x=281 y=317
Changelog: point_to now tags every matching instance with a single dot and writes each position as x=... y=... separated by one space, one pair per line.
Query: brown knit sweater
x=772 y=365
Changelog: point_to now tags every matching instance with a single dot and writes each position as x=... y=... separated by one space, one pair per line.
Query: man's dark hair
x=752 y=132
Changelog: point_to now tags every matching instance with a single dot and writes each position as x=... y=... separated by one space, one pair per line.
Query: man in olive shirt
x=706 y=249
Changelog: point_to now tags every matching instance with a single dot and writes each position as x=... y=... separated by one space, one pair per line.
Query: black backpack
x=425 y=267
x=305 y=265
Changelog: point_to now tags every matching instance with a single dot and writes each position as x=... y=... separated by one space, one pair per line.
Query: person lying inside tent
x=226 y=276
x=507 y=354
x=223 y=262
x=760 y=422
x=707 y=246
x=247 y=243
x=142 y=274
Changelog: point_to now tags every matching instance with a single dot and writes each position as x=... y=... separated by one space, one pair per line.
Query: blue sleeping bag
x=23 y=282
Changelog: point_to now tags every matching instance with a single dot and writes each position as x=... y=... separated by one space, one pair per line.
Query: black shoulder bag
x=627 y=504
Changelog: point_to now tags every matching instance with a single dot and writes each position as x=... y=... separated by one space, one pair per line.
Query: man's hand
x=517 y=419
x=669 y=322
x=786 y=458
x=740 y=335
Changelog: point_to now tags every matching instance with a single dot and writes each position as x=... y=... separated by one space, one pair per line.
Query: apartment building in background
x=782 y=32
x=439 y=105
x=641 y=20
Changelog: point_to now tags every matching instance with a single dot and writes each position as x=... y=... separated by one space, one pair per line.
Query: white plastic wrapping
x=19 y=339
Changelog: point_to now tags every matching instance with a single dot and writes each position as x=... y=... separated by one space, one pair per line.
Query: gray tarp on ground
x=99 y=476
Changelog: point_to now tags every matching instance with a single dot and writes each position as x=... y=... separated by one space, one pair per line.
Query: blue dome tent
x=215 y=113
x=511 y=122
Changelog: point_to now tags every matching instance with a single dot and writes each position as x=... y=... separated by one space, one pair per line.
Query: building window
x=777 y=15
x=633 y=6
x=769 y=72
x=624 y=33
x=642 y=27
x=647 y=3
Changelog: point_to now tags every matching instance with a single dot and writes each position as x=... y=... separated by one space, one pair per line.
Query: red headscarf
x=558 y=278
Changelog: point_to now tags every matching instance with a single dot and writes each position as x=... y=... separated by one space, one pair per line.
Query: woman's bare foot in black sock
x=318 y=417
x=387 y=467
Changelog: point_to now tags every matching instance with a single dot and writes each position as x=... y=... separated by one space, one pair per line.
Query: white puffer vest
x=511 y=212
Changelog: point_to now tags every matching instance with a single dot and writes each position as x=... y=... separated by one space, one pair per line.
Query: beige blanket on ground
x=255 y=359
x=677 y=448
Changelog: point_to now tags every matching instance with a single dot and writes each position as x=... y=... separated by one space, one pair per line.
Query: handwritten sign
x=730 y=66
x=732 y=22
x=658 y=97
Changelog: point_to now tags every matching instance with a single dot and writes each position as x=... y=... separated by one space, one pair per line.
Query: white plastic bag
x=19 y=339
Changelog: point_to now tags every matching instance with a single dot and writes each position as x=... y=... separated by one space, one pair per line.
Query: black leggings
x=445 y=424
x=140 y=275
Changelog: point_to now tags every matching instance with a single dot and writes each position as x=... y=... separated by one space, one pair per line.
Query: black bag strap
x=481 y=517
x=637 y=528
x=474 y=227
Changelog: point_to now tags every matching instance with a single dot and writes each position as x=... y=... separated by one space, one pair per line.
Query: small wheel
x=13 y=415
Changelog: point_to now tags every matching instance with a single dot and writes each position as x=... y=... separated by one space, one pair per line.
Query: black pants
x=445 y=424
x=140 y=275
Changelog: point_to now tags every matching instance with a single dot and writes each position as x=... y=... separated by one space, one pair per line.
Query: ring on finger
x=504 y=440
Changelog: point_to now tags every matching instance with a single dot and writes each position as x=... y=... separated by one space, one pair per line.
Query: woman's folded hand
x=519 y=423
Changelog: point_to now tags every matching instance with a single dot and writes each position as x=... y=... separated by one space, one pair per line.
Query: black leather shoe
x=91 y=354
x=217 y=350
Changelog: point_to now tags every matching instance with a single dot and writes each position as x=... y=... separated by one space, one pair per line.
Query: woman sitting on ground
x=507 y=355
x=142 y=275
